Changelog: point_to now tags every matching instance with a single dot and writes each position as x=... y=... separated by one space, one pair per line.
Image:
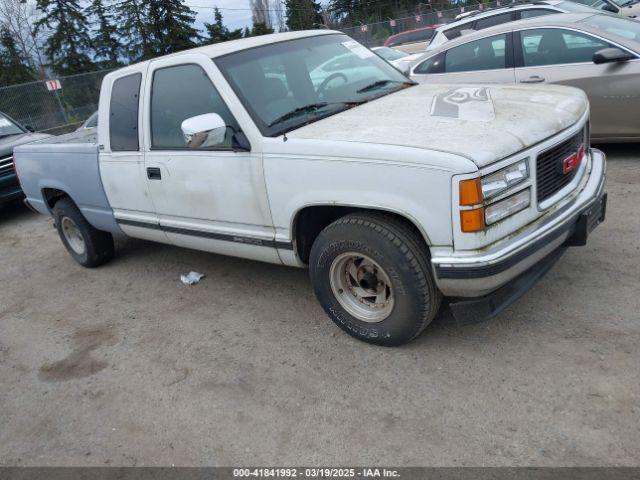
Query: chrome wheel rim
x=361 y=287
x=73 y=236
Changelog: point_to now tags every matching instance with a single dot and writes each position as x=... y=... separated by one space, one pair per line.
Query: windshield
x=624 y=3
x=574 y=7
x=8 y=127
x=289 y=84
x=390 y=54
x=617 y=25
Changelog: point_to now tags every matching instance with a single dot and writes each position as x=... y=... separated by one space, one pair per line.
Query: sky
x=236 y=13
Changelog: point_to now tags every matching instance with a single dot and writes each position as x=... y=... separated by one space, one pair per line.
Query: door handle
x=533 y=79
x=154 y=173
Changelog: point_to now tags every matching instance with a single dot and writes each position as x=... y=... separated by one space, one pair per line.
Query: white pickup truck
x=392 y=194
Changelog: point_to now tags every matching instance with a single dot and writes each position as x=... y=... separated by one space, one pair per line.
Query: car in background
x=600 y=54
x=90 y=123
x=399 y=59
x=481 y=19
x=412 y=41
x=626 y=8
x=12 y=134
x=340 y=70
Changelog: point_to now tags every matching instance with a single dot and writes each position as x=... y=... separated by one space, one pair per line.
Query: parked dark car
x=12 y=134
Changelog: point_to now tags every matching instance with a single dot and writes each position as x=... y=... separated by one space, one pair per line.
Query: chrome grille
x=6 y=166
x=550 y=178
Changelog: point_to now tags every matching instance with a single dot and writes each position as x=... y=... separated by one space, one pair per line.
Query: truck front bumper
x=10 y=189
x=508 y=270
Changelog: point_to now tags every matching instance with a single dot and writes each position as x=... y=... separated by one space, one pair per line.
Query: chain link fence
x=374 y=34
x=53 y=111
x=61 y=110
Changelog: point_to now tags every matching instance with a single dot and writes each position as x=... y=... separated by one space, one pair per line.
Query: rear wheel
x=88 y=246
x=371 y=274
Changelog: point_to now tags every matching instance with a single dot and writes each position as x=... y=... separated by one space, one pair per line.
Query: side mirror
x=202 y=131
x=611 y=55
x=607 y=7
x=29 y=128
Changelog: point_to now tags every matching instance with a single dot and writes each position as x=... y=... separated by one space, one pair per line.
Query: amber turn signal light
x=472 y=220
x=470 y=192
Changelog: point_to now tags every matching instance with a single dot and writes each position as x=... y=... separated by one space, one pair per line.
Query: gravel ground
x=123 y=365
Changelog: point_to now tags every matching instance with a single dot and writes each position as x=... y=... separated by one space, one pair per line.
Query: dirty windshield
x=290 y=84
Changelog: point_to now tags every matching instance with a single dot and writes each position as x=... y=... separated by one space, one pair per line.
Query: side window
x=535 y=12
x=431 y=65
x=172 y=103
x=457 y=31
x=485 y=54
x=494 y=20
x=123 y=113
x=551 y=46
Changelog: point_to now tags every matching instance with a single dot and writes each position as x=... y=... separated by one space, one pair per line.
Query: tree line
x=68 y=37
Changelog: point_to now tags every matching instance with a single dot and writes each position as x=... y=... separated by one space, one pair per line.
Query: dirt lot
x=124 y=365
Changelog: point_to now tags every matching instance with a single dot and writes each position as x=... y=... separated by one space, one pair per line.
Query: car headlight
x=502 y=180
x=507 y=207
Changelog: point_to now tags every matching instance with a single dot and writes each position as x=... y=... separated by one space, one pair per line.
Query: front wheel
x=371 y=274
x=88 y=246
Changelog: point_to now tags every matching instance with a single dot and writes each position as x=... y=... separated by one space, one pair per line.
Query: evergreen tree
x=261 y=28
x=234 y=34
x=105 y=42
x=13 y=66
x=69 y=44
x=303 y=14
x=171 y=26
x=217 y=31
x=353 y=12
x=131 y=17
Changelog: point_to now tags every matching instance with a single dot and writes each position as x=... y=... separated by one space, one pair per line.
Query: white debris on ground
x=191 y=278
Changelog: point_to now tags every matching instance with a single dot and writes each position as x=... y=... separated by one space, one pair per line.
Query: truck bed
x=69 y=164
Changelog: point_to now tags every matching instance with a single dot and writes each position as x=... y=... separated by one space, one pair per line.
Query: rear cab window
x=123 y=113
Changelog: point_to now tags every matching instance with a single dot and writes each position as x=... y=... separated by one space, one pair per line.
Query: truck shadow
x=13 y=211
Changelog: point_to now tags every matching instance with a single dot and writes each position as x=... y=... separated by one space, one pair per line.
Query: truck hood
x=7 y=144
x=481 y=123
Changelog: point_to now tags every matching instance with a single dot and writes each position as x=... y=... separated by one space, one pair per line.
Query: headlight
x=502 y=180
x=510 y=205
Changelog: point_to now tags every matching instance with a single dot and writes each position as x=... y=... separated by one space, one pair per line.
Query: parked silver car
x=481 y=19
x=599 y=54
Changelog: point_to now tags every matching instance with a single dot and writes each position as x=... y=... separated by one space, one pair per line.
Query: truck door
x=121 y=158
x=208 y=195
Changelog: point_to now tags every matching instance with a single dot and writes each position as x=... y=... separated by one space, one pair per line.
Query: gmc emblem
x=569 y=164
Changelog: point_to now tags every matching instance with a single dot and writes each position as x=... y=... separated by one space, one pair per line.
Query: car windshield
x=8 y=127
x=624 y=3
x=390 y=54
x=617 y=25
x=290 y=84
x=574 y=7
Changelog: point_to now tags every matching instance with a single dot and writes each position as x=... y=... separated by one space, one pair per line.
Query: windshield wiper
x=312 y=107
x=382 y=83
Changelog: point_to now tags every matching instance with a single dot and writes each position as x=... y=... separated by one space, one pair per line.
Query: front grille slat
x=6 y=166
x=550 y=179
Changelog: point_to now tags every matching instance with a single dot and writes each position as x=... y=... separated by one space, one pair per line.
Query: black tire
x=404 y=258
x=99 y=247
